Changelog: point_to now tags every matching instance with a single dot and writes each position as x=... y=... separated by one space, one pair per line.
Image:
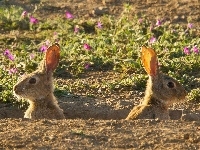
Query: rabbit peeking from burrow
x=161 y=91
x=37 y=88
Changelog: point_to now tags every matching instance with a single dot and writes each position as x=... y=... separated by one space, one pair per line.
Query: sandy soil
x=98 y=122
x=99 y=134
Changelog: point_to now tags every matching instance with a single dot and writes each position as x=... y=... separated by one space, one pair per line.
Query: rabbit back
x=148 y=112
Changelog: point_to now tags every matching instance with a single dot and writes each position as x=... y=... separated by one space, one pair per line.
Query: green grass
x=115 y=46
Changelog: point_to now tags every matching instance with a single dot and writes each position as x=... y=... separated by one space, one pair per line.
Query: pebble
x=100 y=11
x=191 y=117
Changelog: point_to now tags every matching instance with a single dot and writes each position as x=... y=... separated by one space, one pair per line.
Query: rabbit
x=37 y=88
x=161 y=91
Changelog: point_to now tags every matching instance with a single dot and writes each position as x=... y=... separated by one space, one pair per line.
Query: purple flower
x=99 y=24
x=87 y=65
x=8 y=54
x=86 y=46
x=140 y=20
x=152 y=40
x=33 y=20
x=55 y=34
x=76 y=29
x=47 y=42
x=24 y=13
x=186 y=50
x=11 y=57
x=158 y=22
x=43 y=48
x=12 y=71
x=69 y=15
x=190 y=25
x=195 y=49
x=31 y=56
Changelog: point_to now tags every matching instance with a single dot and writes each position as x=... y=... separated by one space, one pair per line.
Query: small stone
x=175 y=114
x=176 y=17
x=191 y=117
x=186 y=136
x=100 y=11
x=108 y=1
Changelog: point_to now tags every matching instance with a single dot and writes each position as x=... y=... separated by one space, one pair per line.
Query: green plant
x=104 y=44
x=194 y=95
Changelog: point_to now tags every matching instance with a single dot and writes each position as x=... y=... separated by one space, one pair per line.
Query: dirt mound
x=99 y=134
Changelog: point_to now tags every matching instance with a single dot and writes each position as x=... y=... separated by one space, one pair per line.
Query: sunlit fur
x=158 y=97
x=43 y=103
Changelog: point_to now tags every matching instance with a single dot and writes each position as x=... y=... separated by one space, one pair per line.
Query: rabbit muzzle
x=18 y=90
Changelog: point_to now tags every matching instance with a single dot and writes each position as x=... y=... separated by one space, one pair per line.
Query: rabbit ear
x=149 y=61
x=52 y=57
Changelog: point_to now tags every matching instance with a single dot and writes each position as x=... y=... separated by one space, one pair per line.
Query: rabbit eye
x=170 y=84
x=32 y=81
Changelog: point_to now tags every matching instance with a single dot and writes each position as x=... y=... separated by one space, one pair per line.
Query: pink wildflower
x=152 y=40
x=186 y=50
x=86 y=46
x=33 y=20
x=69 y=15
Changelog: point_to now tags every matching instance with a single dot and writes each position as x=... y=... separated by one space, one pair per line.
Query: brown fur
x=158 y=96
x=43 y=103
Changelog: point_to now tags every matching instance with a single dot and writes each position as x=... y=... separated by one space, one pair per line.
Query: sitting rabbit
x=161 y=91
x=37 y=88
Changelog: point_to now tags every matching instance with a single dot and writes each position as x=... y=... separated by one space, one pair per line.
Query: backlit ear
x=52 y=57
x=149 y=61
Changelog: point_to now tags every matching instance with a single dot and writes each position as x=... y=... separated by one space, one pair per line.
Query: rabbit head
x=39 y=83
x=160 y=86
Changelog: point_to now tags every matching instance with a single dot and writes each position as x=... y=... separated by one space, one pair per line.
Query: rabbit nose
x=16 y=89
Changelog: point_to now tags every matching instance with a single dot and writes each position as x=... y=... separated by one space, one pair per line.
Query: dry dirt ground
x=98 y=122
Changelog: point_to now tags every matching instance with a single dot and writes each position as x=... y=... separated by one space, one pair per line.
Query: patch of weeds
x=62 y=91
x=140 y=81
x=11 y=18
x=108 y=43
x=194 y=96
